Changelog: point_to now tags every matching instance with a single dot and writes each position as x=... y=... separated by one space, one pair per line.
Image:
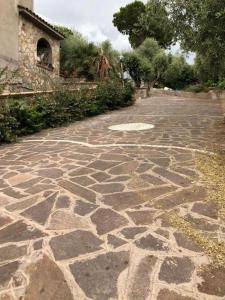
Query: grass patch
x=213 y=169
x=212 y=248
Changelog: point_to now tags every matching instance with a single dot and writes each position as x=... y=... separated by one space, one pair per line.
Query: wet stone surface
x=88 y=218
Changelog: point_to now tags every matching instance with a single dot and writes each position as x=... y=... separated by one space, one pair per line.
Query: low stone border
x=213 y=94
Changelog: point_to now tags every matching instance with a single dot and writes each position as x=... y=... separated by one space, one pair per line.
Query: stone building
x=29 y=44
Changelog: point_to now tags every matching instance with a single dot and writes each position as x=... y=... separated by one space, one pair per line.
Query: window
x=44 y=54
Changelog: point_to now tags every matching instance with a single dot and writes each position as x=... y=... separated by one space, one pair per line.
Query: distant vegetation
x=197 y=25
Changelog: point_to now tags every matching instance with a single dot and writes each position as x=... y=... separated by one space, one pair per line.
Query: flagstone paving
x=82 y=208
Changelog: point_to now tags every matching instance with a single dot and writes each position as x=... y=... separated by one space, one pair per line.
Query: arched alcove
x=44 y=53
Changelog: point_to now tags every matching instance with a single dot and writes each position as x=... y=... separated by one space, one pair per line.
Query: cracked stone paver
x=86 y=219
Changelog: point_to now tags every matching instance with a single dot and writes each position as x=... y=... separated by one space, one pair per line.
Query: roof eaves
x=41 y=23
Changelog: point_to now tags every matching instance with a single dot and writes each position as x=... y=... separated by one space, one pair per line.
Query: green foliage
x=132 y=64
x=127 y=22
x=64 y=30
x=26 y=116
x=146 y=63
x=8 y=124
x=140 y=21
x=179 y=73
x=78 y=55
x=155 y=23
x=200 y=28
x=29 y=120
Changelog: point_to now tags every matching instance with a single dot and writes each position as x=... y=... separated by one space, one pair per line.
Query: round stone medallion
x=132 y=127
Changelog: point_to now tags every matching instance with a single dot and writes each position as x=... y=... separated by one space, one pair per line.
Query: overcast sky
x=93 y=18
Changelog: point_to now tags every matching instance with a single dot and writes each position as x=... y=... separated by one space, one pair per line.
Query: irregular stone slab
x=144 y=217
x=184 y=196
x=20 y=178
x=161 y=161
x=213 y=281
x=40 y=212
x=118 y=179
x=125 y=168
x=78 y=190
x=81 y=171
x=201 y=224
x=140 y=287
x=152 y=179
x=46 y=282
x=4 y=200
x=136 y=183
x=61 y=220
x=29 y=183
x=131 y=232
x=151 y=243
x=100 y=176
x=19 y=231
x=173 y=177
x=74 y=244
x=82 y=208
x=12 y=252
x=115 y=157
x=4 y=220
x=144 y=167
x=208 y=209
x=115 y=241
x=185 y=242
x=108 y=188
x=53 y=173
x=121 y=201
x=185 y=171
x=6 y=273
x=38 y=245
x=23 y=204
x=83 y=180
x=102 y=165
x=166 y=294
x=98 y=277
x=13 y=193
x=176 y=270
x=40 y=188
x=63 y=202
x=163 y=233
x=107 y=220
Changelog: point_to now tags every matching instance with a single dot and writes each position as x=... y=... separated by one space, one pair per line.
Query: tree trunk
x=149 y=87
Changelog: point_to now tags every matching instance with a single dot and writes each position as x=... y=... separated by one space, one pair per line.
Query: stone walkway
x=83 y=208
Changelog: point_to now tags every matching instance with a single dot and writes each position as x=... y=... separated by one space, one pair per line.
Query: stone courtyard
x=84 y=208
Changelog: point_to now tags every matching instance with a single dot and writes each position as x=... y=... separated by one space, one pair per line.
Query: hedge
x=26 y=116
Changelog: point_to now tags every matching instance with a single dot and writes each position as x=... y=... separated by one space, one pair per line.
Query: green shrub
x=28 y=118
x=198 y=88
x=30 y=115
x=8 y=124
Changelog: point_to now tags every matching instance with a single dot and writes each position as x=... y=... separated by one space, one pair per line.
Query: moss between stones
x=214 y=249
x=213 y=169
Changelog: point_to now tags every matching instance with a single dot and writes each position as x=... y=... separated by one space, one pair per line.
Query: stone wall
x=8 y=33
x=34 y=76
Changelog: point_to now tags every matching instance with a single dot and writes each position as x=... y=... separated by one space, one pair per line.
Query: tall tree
x=200 y=28
x=147 y=63
x=140 y=21
x=127 y=22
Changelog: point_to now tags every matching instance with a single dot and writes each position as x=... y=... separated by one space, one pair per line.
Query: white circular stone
x=132 y=127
